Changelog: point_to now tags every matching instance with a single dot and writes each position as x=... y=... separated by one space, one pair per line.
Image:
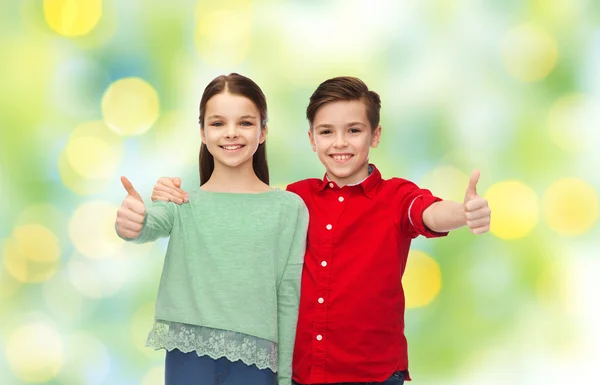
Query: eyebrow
x=241 y=117
x=330 y=126
x=355 y=124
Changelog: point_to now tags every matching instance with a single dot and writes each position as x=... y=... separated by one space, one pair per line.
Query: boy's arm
x=168 y=189
x=474 y=212
x=288 y=298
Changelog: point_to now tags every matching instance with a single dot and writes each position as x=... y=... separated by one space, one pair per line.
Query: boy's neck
x=241 y=179
x=353 y=179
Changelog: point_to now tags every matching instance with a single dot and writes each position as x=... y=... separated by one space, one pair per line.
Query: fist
x=132 y=212
x=477 y=211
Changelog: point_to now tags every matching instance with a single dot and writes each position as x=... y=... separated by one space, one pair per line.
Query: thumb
x=129 y=188
x=472 y=189
x=176 y=182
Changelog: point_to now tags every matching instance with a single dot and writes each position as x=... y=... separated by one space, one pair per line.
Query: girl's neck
x=241 y=179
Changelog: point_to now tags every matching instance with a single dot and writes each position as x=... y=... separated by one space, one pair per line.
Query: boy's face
x=342 y=137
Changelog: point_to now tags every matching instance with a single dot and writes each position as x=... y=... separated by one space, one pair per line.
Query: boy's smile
x=342 y=137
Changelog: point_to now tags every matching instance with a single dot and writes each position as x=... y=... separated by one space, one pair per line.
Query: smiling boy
x=351 y=318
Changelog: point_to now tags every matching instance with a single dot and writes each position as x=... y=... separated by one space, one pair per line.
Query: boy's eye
x=325 y=132
x=355 y=130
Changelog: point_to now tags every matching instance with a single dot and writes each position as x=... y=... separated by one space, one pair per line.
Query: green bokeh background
x=464 y=84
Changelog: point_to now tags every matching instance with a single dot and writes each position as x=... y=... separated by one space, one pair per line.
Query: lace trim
x=215 y=343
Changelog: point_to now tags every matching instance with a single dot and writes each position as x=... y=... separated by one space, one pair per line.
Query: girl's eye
x=246 y=124
x=217 y=124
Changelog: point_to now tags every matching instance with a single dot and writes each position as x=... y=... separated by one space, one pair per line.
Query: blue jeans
x=395 y=379
x=190 y=369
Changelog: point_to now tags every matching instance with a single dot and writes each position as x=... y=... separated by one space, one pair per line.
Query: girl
x=228 y=297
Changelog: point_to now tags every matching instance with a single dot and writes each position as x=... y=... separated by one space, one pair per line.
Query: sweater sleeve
x=288 y=297
x=158 y=223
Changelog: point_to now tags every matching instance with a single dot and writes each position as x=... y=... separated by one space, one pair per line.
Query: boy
x=351 y=319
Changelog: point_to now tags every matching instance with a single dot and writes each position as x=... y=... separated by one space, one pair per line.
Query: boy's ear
x=312 y=140
x=263 y=135
x=376 y=137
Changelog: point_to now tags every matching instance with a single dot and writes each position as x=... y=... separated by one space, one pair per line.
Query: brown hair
x=344 y=88
x=239 y=85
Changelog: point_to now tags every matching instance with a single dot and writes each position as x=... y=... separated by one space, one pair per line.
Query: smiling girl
x=228 y=298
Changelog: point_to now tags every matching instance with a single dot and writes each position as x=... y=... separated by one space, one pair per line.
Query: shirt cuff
x=415 y=216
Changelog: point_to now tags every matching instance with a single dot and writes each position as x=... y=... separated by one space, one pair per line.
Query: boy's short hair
x=344 y=88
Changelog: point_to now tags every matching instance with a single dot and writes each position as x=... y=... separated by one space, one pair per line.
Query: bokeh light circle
x=529 y=53
x=32 y=253
x=515 y=209
x=86 y=361
x=35 y=353
x=90 y=159
x=573 y=123
x=570 y=206
x=95 y=278
x=230 y=46
x=92 y=230
x=422 y=279
x=130 y=106
x=72 y=17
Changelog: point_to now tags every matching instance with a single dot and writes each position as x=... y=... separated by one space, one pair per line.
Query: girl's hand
x=131 y=214
x=168 y=189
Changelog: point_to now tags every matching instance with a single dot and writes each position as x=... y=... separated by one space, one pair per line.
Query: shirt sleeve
x=288 y=297
x=158 y=222
x=413 y=201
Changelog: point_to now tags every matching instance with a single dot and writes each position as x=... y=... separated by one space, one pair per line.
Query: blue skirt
x=190 y=369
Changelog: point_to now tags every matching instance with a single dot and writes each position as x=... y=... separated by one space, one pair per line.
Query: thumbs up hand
x=132 y=212
x=477 y=211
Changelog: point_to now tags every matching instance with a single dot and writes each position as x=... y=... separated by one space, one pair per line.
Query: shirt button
x=324 y=263
x=319 y=337
x=328 y=227
x=341 y=199
x=331 y=185
x=321 y=300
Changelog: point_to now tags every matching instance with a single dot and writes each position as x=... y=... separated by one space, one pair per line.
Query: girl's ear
x=202 y=137
x=263 y=135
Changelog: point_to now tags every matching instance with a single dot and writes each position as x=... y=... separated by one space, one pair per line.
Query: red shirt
x=351 y=321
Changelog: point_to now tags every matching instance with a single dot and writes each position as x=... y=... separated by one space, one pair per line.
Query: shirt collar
x=368 y=184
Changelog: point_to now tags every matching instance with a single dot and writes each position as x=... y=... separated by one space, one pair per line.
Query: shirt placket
x=336 y=199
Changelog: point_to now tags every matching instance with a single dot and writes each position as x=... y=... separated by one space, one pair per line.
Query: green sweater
x=233 y=262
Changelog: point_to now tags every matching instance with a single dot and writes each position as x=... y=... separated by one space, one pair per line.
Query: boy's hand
x=132 y=212
x=477 y=211
x=168 y=190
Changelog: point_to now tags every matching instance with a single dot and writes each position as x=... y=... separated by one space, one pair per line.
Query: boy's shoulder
x=304 y=186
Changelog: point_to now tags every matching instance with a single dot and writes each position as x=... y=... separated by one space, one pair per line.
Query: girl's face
x=232 y=129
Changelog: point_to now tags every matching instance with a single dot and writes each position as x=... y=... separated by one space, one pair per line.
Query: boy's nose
x=340 y=141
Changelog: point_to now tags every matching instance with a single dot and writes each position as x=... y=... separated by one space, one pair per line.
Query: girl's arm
x=288 y=297
x=136 y=224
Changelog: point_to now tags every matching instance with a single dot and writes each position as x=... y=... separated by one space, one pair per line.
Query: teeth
x=341 y=157
x=232 y=147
